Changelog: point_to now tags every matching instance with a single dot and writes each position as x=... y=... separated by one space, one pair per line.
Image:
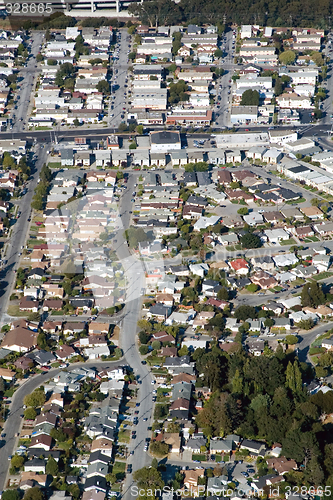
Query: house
x=43 y=441
x=321 y=262
x=281 y=465
x=180 y=404
x=228 y=239
x=103 y=445
x=180 y=318
x=287 y=259
x=181 y=390
x=255 y=347
x=265 y=263
x=6 y=374
x=67 y=157
x=313 y=213
x=159 y=311
x=28 y=304
x=327 y=344
x=164 y=141
x=277 y=235
x=240 y=266
x=163 y=337
x=65 y=352
x=194 y=444
x=35 y=465
x=172 y=439
x=20 y=340
x=96 y=483
x=255 y=448
x=221 y=446
x=216 y=485
x=92 y=494
x=191 y=478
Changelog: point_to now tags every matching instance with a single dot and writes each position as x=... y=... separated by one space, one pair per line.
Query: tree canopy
x=250 y=98
x=250 y=240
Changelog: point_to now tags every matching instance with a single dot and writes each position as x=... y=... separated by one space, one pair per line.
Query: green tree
x=8 y=162
x=30 y=414
x=250 y=240
x=34 y=493
x=139 y=129
x=52 y=467
x=17 y=461
x=306 y=324
x=243 y=211
x=237 y=383
x=223 y=294
x=159 y=448
x=148 y=478
x=111 y=478
x=42 y=341
x=269 y=322
x=131 y=29
x=35 y=399
x=312 y=295
x=287 y=57
x=10 y=495
x=144 y=337
x=104 y=87
x=250 y=98
x=244 y=312
x=145 y=325
x=218 y=53
x=294 y=377
x=143 y=349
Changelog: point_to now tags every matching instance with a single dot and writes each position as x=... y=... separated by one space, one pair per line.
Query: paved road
x=222 y=113
x=26 y=85
x=309 y=337
x=13 y=422
x=18 y=237
x=318 y=129
x=118 y=99
x=134 y=271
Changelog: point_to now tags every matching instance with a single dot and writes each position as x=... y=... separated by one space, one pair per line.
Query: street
x=118 y=99
x=134 y=271
x=18 y=237
x=26 y=85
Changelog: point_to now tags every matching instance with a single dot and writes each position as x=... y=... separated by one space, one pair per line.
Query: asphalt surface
x=26 y=84
x=221 y=110
x=18 y=237
x=134 y=271
x=118 y=99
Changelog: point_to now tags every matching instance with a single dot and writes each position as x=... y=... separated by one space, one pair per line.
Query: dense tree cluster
x=42 y=188
x=265 y=398
x=274 y=13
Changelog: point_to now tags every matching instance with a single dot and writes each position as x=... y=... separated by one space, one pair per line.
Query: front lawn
x=201 y=457
x=322 y=276
x=291 y=241
x=124 y=436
